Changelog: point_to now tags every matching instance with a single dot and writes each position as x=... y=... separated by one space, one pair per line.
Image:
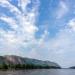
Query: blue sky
x=41 y=29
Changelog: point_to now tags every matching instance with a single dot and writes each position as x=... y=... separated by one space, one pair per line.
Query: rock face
x=11 y=59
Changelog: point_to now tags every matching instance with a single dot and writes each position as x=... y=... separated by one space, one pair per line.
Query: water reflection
x=40 y=72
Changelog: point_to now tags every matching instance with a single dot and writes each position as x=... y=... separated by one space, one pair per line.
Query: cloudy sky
x=41 y=29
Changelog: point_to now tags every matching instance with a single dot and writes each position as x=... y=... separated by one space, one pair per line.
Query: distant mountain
x=21 y=62
x=73 y=67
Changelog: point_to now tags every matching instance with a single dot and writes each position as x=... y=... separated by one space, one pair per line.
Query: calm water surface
x=40 y=72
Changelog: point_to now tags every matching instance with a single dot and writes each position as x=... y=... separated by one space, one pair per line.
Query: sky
x=40 y=29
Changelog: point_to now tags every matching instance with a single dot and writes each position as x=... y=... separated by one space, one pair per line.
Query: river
x=40 y=72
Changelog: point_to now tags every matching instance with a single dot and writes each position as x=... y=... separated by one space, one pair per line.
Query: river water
x=40 y=72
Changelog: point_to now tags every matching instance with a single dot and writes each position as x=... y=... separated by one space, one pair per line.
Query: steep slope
x=15 y=60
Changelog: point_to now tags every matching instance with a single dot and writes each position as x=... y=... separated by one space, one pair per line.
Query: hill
x=17 y=62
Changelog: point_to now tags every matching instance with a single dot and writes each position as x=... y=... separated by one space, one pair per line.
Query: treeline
x=72 y=67
x=26 y=66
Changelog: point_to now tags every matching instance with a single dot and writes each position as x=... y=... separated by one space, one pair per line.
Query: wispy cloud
x=62 y=9
x=71 y=24
x=20 y=38
x=58 y=49
x=23 y=26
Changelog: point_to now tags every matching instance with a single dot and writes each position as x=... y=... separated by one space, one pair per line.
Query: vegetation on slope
x=16 y=62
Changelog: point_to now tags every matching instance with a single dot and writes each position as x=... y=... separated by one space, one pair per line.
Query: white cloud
x=23 y=4
x=71 y=24
x=43 y=37
x=10 y=21
x=60 y=49
x=23 y=34
x=12 y=8
x=23 y=25
x=62 y=10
